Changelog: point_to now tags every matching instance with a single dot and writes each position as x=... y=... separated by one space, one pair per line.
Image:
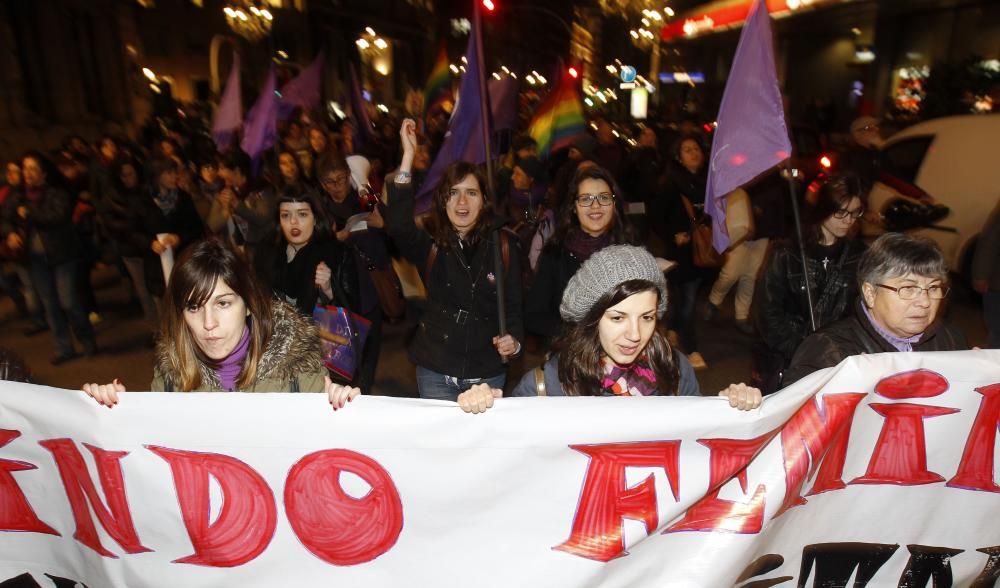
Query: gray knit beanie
x=603 y=271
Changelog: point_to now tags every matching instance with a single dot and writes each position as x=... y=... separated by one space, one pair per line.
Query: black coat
x=670 y=216
x=50 y=217
x=780 y=309
x=641 y=174
x=556 y=265
x=116 y=213
x=295 y=282
x=369 y=248
x=855 y=335
x=455 y=334
x=183 y=220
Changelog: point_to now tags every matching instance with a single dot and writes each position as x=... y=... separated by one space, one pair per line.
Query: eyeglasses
x=587 y=200
x=335 y=181
x=844 y=213
x=935 y=292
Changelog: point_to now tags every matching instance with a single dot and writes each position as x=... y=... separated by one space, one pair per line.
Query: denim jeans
x=36 y=314
x=434 y=386
x=991 y=312
x=57 y=288
x=684 y=315
x=136 y=268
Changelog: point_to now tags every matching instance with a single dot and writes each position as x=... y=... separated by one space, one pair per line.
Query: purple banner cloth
x=304 y=90
x=229 y=115
x=751 y=136
x=503 y=102
x=464 y=140
x=363 y=133
x=261 y=128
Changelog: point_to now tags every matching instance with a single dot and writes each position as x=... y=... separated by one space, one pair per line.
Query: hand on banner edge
x=339 y=394
x=742 y=396
x=479 y=398
x=105 y=394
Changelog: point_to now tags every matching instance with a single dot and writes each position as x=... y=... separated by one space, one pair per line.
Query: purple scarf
x=583 y=245
x=635 y=379
x=900 y=343
x=229 y=368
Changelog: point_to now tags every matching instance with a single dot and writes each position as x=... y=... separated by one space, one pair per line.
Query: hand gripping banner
x=879 y=472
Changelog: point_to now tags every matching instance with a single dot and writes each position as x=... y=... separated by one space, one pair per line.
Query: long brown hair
x=439 y=226
x=620 y=229
x=192 y=282
x=580 y=352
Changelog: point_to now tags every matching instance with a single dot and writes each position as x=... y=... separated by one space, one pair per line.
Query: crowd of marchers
x=593 y=249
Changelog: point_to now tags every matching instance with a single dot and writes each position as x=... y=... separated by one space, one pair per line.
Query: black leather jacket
x=556 y=265
x=780 y=308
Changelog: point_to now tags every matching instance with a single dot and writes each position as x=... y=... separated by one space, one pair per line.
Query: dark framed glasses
x=587 y=200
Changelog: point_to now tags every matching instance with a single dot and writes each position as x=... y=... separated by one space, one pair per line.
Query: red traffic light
x=489 y=5
x=825 y=162
x=573 y=73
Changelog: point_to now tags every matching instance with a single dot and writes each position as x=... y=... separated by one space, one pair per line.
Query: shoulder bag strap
x=688 y=207
x=539 y=380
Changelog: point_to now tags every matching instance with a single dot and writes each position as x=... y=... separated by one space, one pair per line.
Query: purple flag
x=304 y=90
x=363 y=133
x=229 y=115
x=503 y=102
x=751 y=136
x=464 y=140
x=261 y=128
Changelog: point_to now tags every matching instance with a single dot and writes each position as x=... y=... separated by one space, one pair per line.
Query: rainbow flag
x=558 y=121
x=437 y=91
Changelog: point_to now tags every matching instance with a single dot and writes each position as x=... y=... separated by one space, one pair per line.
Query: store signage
x=627 y=74
x=725 y=14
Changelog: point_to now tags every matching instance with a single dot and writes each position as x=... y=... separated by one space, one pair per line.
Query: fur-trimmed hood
x=294 y=349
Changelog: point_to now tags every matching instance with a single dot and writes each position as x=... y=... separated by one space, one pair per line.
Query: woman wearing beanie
x=591 y=219
x=457 y=343
x=610 y=344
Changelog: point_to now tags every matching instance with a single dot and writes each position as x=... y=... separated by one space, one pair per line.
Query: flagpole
x=498 y=269
x=802 y=249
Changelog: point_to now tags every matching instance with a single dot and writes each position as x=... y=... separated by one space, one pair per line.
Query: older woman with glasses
x=903 y=281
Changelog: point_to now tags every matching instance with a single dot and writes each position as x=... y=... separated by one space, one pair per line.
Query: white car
x=956 y=160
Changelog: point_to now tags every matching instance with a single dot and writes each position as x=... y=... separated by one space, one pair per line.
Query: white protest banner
x=879 y=472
